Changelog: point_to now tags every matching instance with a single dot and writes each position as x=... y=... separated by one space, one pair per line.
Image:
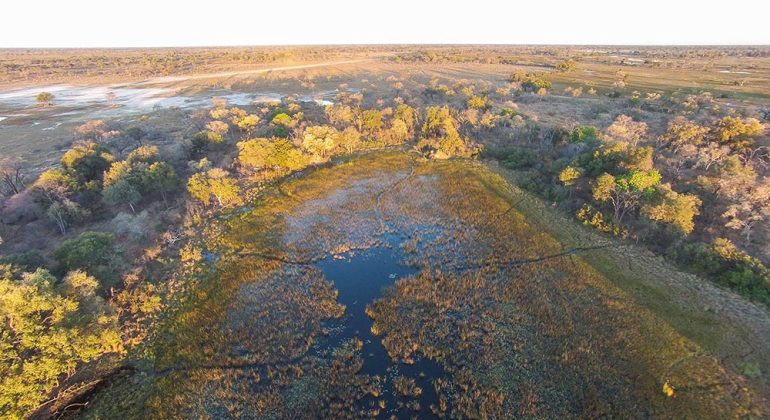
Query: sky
x=163 y=23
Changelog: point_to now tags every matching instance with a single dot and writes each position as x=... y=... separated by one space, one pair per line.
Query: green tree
x=160 y=177
x=88 y=160
x=122 y=191
x=370 y=121
x=625 y=192
x=64 y=212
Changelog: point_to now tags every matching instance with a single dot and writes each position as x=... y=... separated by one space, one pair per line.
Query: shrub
x=723 y=262
x=89 y=251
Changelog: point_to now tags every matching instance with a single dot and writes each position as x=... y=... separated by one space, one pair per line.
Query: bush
x=723 y=262
x=519 y=159
x=583 y=134
x=27 y=261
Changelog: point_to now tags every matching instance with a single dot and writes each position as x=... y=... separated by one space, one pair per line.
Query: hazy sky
x=136 y=23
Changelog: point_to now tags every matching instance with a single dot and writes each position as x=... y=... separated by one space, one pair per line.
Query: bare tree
x=12 y=173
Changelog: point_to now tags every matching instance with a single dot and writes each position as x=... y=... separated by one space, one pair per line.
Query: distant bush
x=519 y=159
x=728 y=266
x=583 y=134
x=531 y=82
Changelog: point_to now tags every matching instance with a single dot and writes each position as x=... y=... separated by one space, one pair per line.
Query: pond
x=360 y=278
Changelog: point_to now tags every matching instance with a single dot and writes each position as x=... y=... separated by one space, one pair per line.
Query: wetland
x=390 y=285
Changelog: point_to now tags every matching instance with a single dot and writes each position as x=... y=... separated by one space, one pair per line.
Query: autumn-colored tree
x=569 y=175
x=247 y=123
x=682 y=132
x=47 y=333
x=736 y=132
x=216 y=183
x=92 y=130
x=479 y=102
x=265 y=153
x=339 y=115
x=320 y=140
x=44 y=98
x=675 y=209
x=750 y=206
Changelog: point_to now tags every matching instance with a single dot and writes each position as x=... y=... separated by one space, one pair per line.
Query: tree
x=44 y=98
x=52 y=190
x=673 y=208
x=479 y=102
x=339 y=114
x=248 y=123
x=569 y=175
x=583 y=134
x=217 y=183
x=89 y=251
x=737 y=133
x=349 y=140
x=625 y=129
x=160 y=177
x=264 y=153
x=370 y=121
x=92 y=130
x=710 y=155
x=12 y=174
x=320 y=140
x=682 y=132
x=141 y=174
x=751 y=206
x=408 y=115
x=440 y=137
x=122 y=191
x=65 y=212
x=566 y=66
x=284 y=120
x=624 y=192
x=47 y=333
x=88 y=160
x=136 y=134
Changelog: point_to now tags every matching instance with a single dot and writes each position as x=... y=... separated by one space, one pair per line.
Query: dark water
x=360 y=278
